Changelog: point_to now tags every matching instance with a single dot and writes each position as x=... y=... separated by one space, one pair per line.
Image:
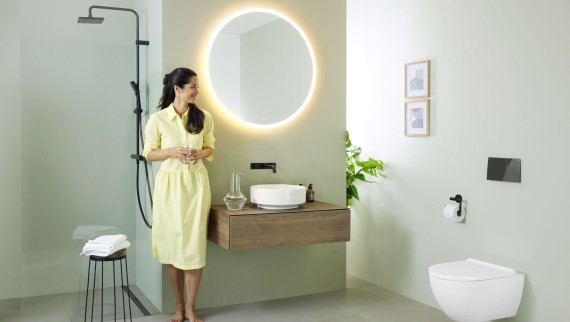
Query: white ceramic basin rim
x=278 y=196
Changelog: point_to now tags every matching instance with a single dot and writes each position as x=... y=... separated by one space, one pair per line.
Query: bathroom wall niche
x=504 y=169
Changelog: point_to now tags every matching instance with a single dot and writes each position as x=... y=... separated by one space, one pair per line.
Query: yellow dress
x=181 y=191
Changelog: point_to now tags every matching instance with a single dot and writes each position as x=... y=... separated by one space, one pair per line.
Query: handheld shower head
x=91 y=20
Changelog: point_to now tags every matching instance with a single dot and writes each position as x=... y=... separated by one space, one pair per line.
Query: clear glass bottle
x=235 y=199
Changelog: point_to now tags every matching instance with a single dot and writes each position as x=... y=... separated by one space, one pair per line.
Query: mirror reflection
x=261 y=67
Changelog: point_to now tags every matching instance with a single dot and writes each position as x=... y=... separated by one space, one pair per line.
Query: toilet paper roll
x=450 y=213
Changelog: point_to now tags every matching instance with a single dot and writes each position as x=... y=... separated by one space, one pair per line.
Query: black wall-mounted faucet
x=264 y=165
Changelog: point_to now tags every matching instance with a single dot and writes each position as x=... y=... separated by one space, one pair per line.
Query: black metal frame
x=113 y=259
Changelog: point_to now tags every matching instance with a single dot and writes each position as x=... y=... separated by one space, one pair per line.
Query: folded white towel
x=109 y=240
x=105 y=245
x=102 y=250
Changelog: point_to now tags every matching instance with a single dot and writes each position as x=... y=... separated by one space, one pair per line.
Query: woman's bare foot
x=192 y=316
x=178 y=316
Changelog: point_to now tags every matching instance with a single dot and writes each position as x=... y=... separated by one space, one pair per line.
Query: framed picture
x=417 y=79
x=416 y=117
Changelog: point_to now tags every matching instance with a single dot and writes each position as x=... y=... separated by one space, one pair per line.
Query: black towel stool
x=118 y=256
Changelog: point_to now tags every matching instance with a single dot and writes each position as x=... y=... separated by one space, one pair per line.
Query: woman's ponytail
x=180 y=77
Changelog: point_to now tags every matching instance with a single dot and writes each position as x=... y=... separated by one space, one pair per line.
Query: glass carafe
x=235 y=198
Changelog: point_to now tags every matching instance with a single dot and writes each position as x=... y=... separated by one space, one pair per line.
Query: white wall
x=305 y=150
x=499 y=76
x=10 y=123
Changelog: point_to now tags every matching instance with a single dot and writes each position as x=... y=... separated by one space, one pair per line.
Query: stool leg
x=87 y=291
x=93 y=291
x=114 y=292
x=123 y=291
x=129 y=289
x=102 y=291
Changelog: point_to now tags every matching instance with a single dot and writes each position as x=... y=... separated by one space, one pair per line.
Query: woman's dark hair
x=180 y=77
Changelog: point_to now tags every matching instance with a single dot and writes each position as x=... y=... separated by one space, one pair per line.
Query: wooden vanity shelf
x=252 y=227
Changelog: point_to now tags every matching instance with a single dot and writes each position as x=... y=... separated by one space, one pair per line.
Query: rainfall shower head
x=91 y=20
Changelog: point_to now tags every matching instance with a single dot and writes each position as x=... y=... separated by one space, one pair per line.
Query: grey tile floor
x=361 y=301
x=70 y=307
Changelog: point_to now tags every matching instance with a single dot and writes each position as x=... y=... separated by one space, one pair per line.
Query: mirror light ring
x=311 y=53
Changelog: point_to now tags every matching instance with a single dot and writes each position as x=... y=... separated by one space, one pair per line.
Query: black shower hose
x=139 y=158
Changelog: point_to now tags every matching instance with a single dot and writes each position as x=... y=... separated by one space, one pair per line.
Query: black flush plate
x=504 y=169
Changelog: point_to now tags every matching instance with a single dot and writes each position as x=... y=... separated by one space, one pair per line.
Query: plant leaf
x=353 y=191
x=356 y=169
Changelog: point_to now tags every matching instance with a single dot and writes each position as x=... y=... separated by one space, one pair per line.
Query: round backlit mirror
x=261 y=67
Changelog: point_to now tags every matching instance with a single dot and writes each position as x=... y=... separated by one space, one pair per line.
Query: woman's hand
x=187 y=155
x=191 y=156
x=181 y=154
x=195 y=155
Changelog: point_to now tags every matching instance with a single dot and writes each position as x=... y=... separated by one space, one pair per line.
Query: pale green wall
x=148 y=269
x=499 y=82
x=77 y=134
x=310 y=149
x=10 y=122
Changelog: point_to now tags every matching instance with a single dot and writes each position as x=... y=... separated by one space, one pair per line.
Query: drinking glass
x=190 y=147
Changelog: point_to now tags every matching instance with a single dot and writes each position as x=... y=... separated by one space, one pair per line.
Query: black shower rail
x=138 y=110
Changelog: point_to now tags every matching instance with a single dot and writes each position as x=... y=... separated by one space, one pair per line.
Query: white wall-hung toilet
x=476 y=291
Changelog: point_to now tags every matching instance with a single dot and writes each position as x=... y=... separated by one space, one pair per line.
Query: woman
x=181 y=135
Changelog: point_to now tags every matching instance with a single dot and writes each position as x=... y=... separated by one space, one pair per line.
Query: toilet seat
x=469 y=270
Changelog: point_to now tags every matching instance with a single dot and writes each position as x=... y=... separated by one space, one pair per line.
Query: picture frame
x=416 y=118
x=416 y=76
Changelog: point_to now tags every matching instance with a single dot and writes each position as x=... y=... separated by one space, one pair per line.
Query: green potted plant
x=357 y=170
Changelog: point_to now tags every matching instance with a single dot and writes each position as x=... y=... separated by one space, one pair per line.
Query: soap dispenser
x=310 y=193
x=235 y=199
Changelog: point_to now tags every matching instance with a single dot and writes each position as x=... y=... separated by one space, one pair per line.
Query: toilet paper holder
x=459 y=200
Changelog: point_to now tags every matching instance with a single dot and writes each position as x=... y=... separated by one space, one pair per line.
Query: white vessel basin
x=277 y=196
